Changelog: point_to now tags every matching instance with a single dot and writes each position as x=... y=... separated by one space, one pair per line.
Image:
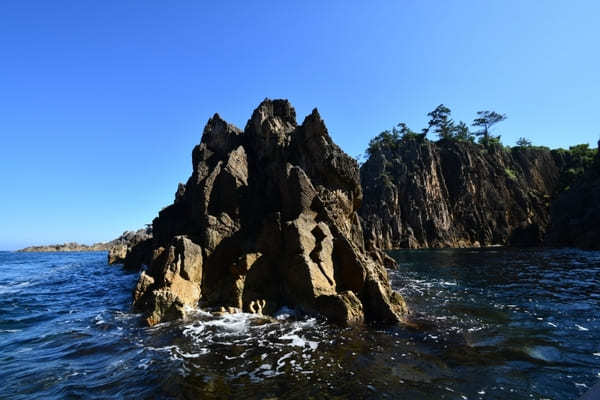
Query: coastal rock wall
x=421 y=194
x=268 y=218
x=575 y=214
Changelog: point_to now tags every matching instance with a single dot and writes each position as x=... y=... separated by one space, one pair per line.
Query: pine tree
x=485 y=120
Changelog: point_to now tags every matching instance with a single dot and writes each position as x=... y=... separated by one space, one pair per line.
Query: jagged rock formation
x=130 y=248
x=421 y=194
x=268 y=218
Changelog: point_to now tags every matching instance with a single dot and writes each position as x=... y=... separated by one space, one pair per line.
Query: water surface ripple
x=491 y=324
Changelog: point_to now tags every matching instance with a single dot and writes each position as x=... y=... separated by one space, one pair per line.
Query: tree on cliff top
x=462 y=133
x=385 y=140
x=485 y=120
x=405 y=132
x=390 y=140
x=441 y=122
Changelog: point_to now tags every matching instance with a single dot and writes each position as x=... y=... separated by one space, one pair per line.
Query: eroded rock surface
x=268 y=218
x=131 y=248
x=421 y=194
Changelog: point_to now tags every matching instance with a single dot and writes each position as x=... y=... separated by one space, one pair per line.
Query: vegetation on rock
x=455 y=193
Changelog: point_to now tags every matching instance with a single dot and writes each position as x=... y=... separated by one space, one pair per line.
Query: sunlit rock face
x=421 y=194
x=267 y=219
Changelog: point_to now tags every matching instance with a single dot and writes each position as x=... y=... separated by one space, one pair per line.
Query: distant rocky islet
x=127 y=239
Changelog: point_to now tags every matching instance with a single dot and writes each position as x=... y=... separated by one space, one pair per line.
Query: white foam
x=446 y=283
x=299 y=341
x=284 y=313
x=581 y=328
x=281 y=361
x=198 y=353
x=12 y=288
x=282 y=341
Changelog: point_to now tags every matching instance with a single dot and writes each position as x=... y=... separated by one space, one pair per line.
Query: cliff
x=575 y=214
x=419 y=193
x=268 y=218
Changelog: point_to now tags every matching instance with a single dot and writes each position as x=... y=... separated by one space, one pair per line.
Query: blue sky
x=101 y=102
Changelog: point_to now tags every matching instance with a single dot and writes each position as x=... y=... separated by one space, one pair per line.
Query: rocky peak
x=268 y=217
x=270 y=127
x=219 y=136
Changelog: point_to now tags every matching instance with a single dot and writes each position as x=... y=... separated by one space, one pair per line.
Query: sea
x=487 y=324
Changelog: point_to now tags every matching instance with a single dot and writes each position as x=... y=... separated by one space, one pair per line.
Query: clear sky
x=101 y=102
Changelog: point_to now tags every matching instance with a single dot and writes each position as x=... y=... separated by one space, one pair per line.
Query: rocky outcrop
x=268 y=218
x=131 y=248
x=173 y=282
x=422 y=194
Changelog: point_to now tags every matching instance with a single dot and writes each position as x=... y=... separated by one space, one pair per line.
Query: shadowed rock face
x=455 y=194
x=131 y=248
x=576 y=213
x=268 y=217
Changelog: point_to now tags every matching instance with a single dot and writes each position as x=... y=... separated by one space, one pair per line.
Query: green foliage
x=582 y=154
x=405 y=132
x=511 y=174
x=491 y=141
x=390 y=139
x=385 y=139
x=523 y=142
x=441 y=122
x=462 y=133
x=485 y=120
x=577 y=161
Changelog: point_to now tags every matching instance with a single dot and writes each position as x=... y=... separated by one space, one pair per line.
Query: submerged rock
x=267 y=219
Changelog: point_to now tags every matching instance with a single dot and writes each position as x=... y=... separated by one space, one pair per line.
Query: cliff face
x=575 y=214
x=268 y=218
x=419 y=194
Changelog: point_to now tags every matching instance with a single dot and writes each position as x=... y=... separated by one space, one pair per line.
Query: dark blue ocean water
x=492 y=324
